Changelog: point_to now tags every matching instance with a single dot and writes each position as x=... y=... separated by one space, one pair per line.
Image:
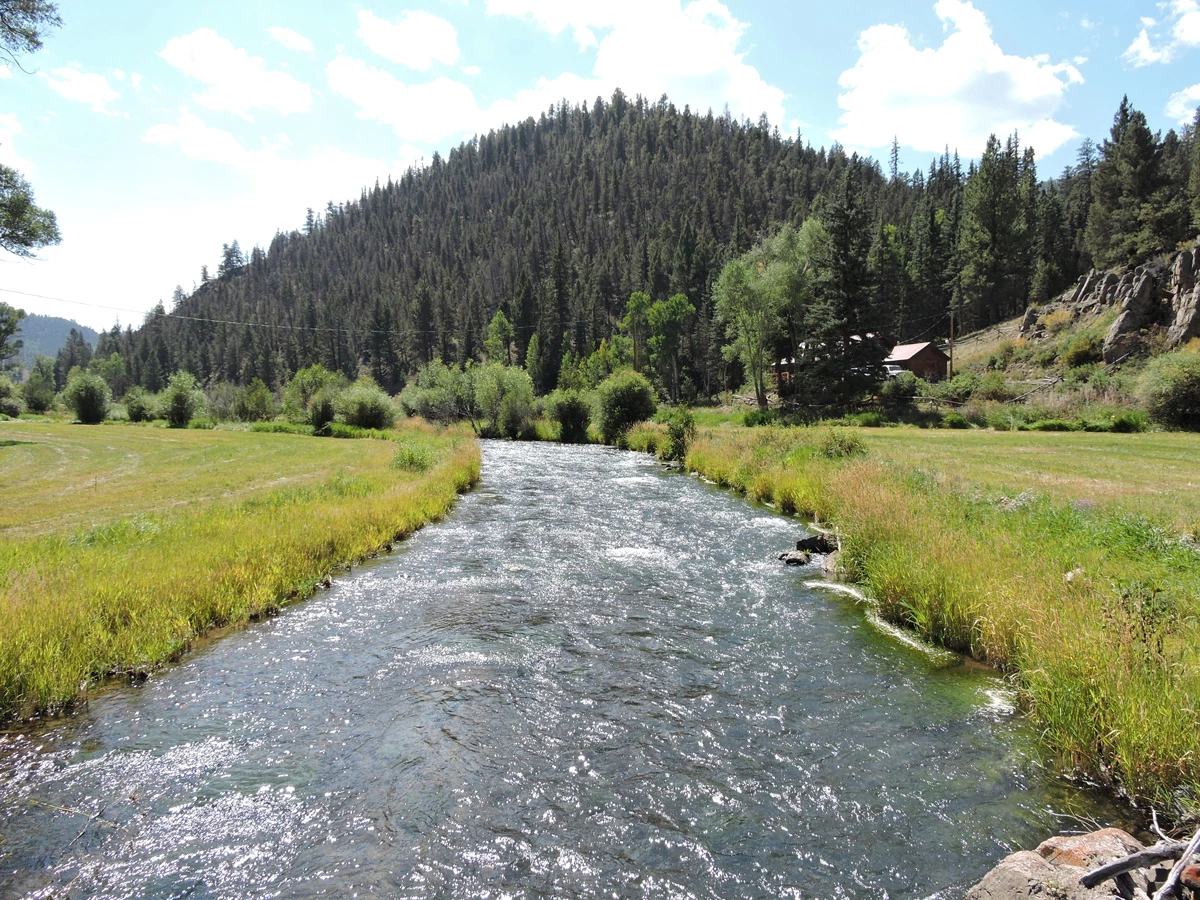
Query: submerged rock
x=1054 y=869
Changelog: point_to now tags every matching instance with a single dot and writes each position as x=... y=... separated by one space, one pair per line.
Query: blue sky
x=158 y=131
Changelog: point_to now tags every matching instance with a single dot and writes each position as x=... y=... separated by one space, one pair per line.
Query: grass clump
x=179 y=532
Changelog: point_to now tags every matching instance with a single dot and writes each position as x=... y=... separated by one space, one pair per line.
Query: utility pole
x=951 y=343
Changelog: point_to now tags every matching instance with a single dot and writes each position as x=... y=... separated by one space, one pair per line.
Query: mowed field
x=1157 y=475
x=120 y=544
x=60 y=477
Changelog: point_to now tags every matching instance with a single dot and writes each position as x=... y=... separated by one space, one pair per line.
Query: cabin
x=923 y=360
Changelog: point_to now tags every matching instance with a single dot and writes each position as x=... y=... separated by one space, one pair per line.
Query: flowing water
x=592 y=680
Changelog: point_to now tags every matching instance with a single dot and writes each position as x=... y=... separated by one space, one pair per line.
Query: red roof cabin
x=923 y=360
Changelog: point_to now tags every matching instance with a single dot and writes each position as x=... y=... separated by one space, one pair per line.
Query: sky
x=159 y=130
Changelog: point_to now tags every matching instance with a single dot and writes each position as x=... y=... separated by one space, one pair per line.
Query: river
x=593 y=679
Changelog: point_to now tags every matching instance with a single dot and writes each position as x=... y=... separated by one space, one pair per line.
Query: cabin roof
x=903 y=352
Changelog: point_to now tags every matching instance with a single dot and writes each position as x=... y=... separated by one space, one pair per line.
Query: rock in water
x=817 y=543
x=1054 y=869
x=796 y=558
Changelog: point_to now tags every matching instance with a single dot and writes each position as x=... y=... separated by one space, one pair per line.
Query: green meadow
x=119 y=544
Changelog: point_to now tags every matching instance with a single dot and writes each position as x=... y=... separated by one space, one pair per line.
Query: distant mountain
x=46 y=335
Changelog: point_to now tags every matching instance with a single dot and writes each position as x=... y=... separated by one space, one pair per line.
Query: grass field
x=978 y=541
x=120 y=544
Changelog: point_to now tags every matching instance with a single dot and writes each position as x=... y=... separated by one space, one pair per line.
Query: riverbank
x=1084 y=596
x=120 y=544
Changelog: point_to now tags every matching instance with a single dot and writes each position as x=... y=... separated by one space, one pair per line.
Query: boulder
x=817 y=543
x=1187 y=319
x=1030 y=321
x=796 y=558
x=1182 y=278
x=1054 y=869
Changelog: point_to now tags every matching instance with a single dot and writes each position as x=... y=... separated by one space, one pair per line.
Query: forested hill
x=558 y=220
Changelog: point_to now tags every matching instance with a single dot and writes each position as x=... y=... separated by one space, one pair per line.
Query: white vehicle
x=891 y=370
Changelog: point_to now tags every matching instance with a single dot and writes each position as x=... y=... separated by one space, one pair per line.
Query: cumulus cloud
x=416 y=112
x=1182 y=105
x=237 y=82
x=654 y=47
x=293 y=40
x=954 y=95
x=1171 y=36
x=91 y=88
x=417 y=39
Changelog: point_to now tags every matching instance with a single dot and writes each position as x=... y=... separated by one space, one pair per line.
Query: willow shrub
x=622 y=400
x=129 y=594
x=89 y=397
x=573 y=413
x=1170 y=389
x=1094 y=612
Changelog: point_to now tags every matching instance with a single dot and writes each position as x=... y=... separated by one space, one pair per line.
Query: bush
x=38 y=390
x=1081 y=351
x=441 y=393
x=140 y=405
x=1128 y=422
x=957 y=390
x=571 y=410
x=365 y=405
x=504 y=398
x=865 y=420
x=757 y=417
x=1057 y=321
x=181 y=400
x=410 y=457
x=1170 y=390
x=322 y=410
x=89 y=396
x=899 y=392
x=837 y=444
x=954 y=420
x=993 y=386
x=623 y=399
x=681 y=430
x=254 y=402
x=302 y=393
x=1053 y=425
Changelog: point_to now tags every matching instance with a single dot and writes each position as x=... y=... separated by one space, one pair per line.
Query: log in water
x=594 y=679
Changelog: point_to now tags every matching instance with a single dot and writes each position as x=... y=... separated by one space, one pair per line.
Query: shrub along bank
x=1091 y=610
x=80 y=603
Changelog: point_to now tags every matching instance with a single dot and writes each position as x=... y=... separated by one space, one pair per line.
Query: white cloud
x=9 y=129
x=5 y=72
x=654 y=47
x=1182 y=105
x=136 y=80
x=954 y=95
x=1142 y=51
x=1180 y=32
x=418 y=112
x=91 y=88
x=417 y=39
x=471 y=70
x=293 y=40
x=237 y=82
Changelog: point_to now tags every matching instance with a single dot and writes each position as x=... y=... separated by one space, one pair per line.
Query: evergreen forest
x=610 y=229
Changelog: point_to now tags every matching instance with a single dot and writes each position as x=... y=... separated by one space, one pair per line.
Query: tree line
x=636 y=231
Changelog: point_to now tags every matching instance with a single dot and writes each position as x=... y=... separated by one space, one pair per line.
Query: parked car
x=891 y=370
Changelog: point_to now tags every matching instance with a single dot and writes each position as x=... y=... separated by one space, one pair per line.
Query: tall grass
x=130 y=593
x=1092 y=610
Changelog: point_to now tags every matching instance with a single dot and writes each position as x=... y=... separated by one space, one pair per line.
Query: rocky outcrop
x=1055 y=868
x=1159 y=296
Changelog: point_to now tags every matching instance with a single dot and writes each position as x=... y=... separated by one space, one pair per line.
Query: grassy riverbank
x=1055 y=557
x=120 y=544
